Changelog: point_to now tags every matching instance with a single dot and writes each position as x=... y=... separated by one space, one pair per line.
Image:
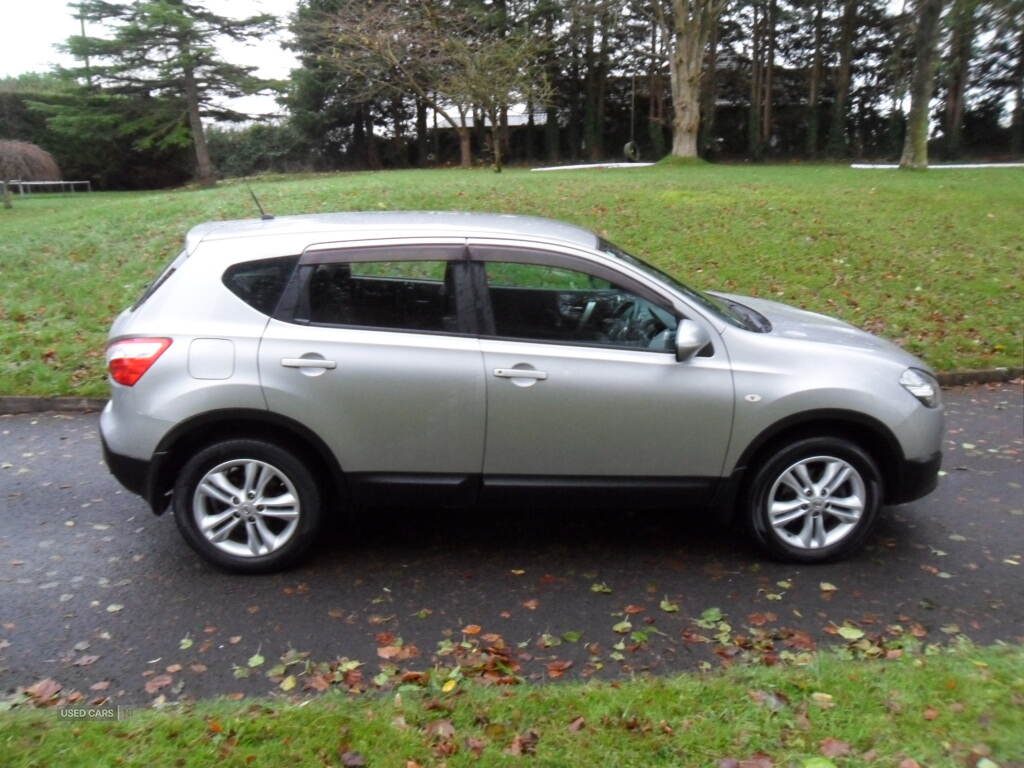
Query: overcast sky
x=31 y=29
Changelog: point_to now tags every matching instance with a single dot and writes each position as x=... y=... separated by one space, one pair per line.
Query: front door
x=584 y=390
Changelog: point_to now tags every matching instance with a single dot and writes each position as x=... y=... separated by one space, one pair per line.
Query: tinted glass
x=260 y=283
x=160 y=280
x=537 y=302
x=404 y=295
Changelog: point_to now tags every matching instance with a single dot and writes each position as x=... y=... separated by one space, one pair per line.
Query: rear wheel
x=815 y=500
x=247 y=505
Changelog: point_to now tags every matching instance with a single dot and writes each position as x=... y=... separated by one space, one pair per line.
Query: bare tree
x=24 y=162
x=688 y=25
x=915 y=145
x=447 y=60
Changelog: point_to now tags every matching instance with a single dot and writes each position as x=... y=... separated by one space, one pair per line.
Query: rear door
x=371 y=349
x=583 y=388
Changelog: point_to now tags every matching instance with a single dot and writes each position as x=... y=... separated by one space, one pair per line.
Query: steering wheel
x=586 y=314
x=623 y=317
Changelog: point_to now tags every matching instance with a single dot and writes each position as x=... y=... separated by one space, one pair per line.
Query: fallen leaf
x=102 y=685
x=601 y=588
x=524 y=743
x=256 y=660
x=531 y=604
x=84 y=661
x=172 y=668
x=834 y=748
x=578 y=724
x=558 y=668
x=44 y=690
x=352 y=760
x=288 y=683
x=827 y=587
x=115 y=608
x=622 y=627
x=931 y=713
x=471 y=629
x=449 y=686
x=442 y=729
x=850 y=633
x=823 y=700
x=668 y=607
x=154 y=684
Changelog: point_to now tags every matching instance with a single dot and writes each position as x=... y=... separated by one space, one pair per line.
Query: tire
x=242 y=535
x=827 y=524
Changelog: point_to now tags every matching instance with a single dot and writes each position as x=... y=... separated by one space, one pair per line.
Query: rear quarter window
x=260 y=283
x=160 y=280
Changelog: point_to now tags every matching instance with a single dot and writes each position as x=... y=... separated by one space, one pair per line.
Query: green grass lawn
x=962 y=706
x=931 y=260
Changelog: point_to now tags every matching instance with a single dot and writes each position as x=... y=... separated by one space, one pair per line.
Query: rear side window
x=400 y=295
x=260 y=283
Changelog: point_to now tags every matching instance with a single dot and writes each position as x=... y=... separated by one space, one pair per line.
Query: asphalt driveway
x=103 y=597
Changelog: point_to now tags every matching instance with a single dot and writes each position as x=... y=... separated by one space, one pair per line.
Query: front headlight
x=921 y=385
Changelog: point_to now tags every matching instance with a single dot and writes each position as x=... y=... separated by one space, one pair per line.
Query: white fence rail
x=28 y=187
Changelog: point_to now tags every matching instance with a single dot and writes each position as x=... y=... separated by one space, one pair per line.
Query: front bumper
x=915 y=479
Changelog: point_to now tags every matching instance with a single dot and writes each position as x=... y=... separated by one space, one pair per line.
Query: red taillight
x=128 y=359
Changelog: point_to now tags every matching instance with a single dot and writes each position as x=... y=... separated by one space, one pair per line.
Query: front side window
x=401 y=295
x=543 y=303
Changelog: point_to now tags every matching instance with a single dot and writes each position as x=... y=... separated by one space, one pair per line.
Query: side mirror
x=690 y=339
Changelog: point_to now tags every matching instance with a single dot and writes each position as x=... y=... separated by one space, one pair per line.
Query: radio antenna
x=264 y=216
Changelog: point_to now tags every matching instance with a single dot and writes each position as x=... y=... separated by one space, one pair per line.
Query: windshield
x=716 y=306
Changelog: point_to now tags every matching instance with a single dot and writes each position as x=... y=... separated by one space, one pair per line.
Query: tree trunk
x=531 y=129
x=814 y=86
x=687 y=64
x=6 y=184
x=465 y=147
x=1017 y=121
x=421 y=133
x=766 y=116
x=372 y=156
x=551 y=149
x=958 y=69
x=204 y=166
x=915 y=145
x=655 y=99
x=496 y=141
x=754 y=114
x=708 y=95
x=837 y=126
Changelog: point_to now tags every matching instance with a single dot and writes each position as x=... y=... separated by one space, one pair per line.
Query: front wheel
x=815 y=500
x=247 y=505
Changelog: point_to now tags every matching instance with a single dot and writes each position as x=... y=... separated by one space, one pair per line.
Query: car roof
x=358 y=224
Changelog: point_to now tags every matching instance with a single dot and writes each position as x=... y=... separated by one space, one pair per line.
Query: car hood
x=793 y=323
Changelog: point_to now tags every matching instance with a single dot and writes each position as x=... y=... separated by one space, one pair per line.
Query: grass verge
x=962 y=706
x=930 y=260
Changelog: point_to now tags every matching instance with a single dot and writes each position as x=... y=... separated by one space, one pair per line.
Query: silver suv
x=280 y=369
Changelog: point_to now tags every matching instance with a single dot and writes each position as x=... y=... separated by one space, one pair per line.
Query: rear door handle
x=308 y=362
x=520 y=373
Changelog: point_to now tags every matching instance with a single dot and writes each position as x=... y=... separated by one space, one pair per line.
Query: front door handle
x=520 y=373
x=308 y=362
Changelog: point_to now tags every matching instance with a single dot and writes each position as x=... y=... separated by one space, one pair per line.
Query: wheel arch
x=867 y=432
x=195 y=433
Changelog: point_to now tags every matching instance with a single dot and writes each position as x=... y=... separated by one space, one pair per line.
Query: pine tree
x=167 y=49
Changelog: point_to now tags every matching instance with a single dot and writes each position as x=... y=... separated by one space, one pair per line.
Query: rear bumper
x=916 y=478
x=132 y=473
